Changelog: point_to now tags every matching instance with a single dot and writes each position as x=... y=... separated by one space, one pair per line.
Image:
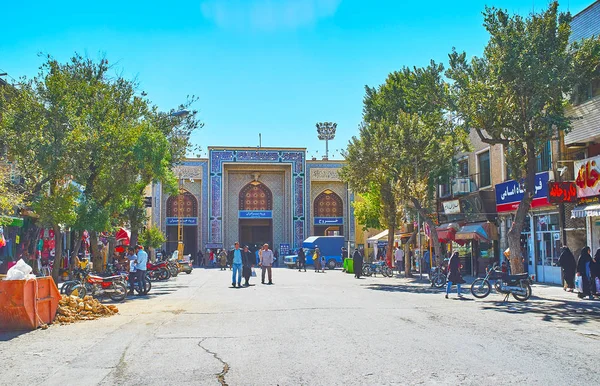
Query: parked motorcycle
x=438 y=276
x=519 y=286
x=114 y=287
x=158 y=271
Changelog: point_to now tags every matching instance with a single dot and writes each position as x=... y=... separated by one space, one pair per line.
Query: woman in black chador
x=566 y=261
x=582 y=270
x=358 y=263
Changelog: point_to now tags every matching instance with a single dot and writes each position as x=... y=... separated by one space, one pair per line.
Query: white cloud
x=267 y=14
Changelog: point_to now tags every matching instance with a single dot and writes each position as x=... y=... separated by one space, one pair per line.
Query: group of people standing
x=586 y=270
x=138 y=264
x=243 y=261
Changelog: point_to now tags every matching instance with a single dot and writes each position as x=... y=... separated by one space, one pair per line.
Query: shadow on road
x=573 y=312
x=9 y=335
x=403 y=288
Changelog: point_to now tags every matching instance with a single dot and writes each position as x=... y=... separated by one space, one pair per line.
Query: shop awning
x=586 y=210
x=447 y=231
x=377 y=237
x=483 y=231
x=12 y=221
x=123 y=235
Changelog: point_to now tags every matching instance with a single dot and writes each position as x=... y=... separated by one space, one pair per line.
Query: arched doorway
x=255 y=215
x=328 y=214
x=190 y=223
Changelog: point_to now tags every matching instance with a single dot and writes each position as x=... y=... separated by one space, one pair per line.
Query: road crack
x=220 y=376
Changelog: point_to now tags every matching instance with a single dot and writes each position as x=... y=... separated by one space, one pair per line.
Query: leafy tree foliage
x=515 y=95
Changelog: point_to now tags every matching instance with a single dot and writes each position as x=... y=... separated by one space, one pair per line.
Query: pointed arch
x=190 y=205
x=256 y=196
x=328 y=204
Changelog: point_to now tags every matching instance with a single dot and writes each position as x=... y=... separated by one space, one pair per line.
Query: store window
x=547 y=239
x=463 y=168
x=544 y=159
x=483 y=162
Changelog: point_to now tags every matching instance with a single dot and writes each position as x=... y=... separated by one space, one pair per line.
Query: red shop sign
x=559 y=192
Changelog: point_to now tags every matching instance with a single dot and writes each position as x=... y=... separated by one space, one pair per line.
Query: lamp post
x=180 y=114
x=326 y=132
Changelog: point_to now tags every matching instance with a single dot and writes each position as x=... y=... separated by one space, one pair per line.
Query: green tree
x=516 y=93
x=152 y=237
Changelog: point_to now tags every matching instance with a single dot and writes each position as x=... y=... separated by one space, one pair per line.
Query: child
x=223 y=260
x=323 y=264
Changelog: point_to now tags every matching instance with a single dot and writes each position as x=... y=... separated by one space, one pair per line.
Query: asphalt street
x=315 y=329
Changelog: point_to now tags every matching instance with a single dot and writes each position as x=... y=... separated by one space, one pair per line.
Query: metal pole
x=419 y=244
x=326 y=147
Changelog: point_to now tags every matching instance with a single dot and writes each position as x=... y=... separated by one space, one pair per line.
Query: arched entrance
x=256 y=215
x=328 y=214
x=190 y=223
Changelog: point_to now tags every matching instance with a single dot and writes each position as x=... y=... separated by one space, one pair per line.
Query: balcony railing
x=459 y=186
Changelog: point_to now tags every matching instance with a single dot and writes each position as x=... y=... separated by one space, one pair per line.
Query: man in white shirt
x=141 y=265
x=266 y=262
x=399 y=257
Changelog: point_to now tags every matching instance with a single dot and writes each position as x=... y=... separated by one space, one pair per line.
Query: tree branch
x=491 y=141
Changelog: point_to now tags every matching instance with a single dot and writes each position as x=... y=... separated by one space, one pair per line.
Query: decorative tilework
x=218 y=157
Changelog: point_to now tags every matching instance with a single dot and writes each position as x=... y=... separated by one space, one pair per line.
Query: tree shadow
x=403 y=288
x=577 y=312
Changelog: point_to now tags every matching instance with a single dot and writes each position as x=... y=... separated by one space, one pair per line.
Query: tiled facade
x=216 y=183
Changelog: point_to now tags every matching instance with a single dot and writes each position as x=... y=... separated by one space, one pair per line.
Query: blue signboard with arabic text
x=329 y=221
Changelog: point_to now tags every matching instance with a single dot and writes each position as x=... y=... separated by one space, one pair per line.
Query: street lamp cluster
x=326 y=131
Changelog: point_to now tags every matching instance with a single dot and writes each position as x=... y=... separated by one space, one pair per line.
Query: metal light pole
x=326 y=132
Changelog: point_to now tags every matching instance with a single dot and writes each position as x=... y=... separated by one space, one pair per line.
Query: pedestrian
x=235 y=256
x=141 y=266
x=266 y=263
x=323 y=264
x=566 y=261
x=399 y=257
x=317 y=258
x=131 y=257
x=200 y=258
x=276 y=258
x=211 y=257
x=223 y=260
x=426 y=262
x=583 y=270
x=301 y=260
x=230 y=259
x=358 y=263
x=247 y=262
x=454 y=275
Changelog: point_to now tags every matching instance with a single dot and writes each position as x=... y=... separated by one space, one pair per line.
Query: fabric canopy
x=447 y=231
x=377 y=237
x=586 y=210
x=123 y=235
x=483 y=231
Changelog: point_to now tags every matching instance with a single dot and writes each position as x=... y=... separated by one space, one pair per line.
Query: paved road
x=314 y=329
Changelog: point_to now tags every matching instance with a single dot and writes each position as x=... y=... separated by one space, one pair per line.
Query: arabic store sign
x=256 y=214
x=587 y=177
x=509 y=194
x=186 y=221
x=451 y=207
x=329 y=221
x=562 y=192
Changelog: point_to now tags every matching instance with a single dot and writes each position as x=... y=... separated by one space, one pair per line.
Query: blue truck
x=330 y=247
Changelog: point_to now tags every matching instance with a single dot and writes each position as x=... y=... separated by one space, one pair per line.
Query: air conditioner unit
x=461 y=186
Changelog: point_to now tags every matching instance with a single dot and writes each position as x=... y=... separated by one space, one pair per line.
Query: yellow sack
x=315 y=257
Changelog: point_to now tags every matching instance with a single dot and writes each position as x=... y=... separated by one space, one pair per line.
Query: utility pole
x=326 y=131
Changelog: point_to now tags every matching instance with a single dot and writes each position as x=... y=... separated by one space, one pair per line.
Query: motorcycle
x=158 y=271
x=519 y=286
x=438 y=276
x=114 y=287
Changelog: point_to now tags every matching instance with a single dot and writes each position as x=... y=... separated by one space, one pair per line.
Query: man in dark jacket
x=247 y=264
x=566 y=261
x=357 y=258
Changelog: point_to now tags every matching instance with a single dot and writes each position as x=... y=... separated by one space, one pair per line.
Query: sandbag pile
x=72 y=309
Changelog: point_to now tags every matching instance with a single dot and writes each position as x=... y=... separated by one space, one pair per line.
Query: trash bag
x=20 y=271
x=578 y=283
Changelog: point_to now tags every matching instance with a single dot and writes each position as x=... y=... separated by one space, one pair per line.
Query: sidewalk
x=541 y=291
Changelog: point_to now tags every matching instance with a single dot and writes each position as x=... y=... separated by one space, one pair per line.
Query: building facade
x=255 y=196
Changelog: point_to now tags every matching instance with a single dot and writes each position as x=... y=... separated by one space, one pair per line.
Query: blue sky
x=274 y=67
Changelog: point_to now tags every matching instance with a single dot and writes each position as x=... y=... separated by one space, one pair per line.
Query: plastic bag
x=253 y=273
x=20 y=271
x=578 y=283
x=598 y=285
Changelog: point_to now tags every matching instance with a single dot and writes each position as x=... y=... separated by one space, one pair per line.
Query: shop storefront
x=541 y=235
x=10 y=236
x=587 y=182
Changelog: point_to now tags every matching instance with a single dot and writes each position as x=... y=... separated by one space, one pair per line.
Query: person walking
x=266 y=263
x=141 y=266
x=301 y=260
x=399 y=257
x=323 y=263
x=230 y=259
x=317 y=258
x=200 y=258
x=235 y=256
x=454 y=275
x=566 y=262
x=223 y=260
x=247 y=264
x=357 y=261
x=583 y=270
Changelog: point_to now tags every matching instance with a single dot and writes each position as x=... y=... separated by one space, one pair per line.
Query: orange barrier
x=27 y=304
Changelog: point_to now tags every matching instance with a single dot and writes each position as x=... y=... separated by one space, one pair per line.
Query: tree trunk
x=407 y=265
x=58 y=257
x=514 y=234
x=96 y=258
x=76 y=247
x=133 y=240
x=388 y=254
x=437 y=246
